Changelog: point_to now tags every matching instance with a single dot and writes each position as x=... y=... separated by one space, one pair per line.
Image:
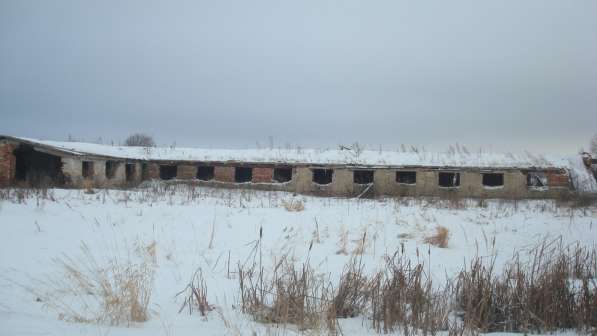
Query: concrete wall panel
x=186 y=172
x=224 y=174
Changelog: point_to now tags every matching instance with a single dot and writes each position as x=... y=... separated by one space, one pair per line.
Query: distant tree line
x=139 y=140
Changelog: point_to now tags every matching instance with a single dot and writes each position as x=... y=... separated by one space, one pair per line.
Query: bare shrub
x=439 y=238
x=293 y=205
x=116 y=292
x=195 y=295
x=139 y=140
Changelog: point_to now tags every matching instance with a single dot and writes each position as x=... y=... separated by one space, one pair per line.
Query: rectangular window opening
x=406 y=177
x=130 y=171
x=323 y=176
x=282 y=175
x=493 y=179
x=536 y=180
x=205 y=173
x=87 y=169
x=168 y=172
x=362 y=176
x=449 y=180
x=243 y=174
x=111 y=169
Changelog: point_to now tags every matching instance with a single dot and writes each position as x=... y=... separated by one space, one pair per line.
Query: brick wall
x=262 y=175
x=224 y=174
x=557 y=179
x=7 y=164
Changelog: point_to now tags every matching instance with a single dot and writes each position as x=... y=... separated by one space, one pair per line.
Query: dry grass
x=116 y=292
x=361 y=244
x=440 y=238
x=351 y=297
x=147 y=252
x=195 y=295
x=88 y=186
x=293 y=205
x=290 y=296
x=403 y=298
x=286 y=295
x=555 y=290
x=343 y=241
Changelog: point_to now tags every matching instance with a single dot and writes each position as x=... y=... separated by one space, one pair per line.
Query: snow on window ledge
x=493 y=187
x=538 y=188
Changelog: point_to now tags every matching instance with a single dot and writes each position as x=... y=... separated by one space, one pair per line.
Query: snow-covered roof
x=461 y=158
x=580 y=175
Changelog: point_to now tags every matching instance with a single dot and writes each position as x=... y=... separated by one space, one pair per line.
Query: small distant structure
x=338 y=173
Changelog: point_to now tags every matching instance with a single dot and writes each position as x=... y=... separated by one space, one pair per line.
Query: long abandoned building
x=341 y=173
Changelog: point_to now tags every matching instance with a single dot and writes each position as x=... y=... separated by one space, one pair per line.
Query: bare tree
x=594 y=144
x=139 y=139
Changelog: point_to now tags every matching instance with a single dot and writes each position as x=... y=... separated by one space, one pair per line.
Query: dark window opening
x=205 y=173
x=168 y=172
x=243 y=174
x=37 y=168
x=282 y=175
x=144 y=171
x=536 y=180
x=406 y=177
x=130 y=171
x=111 y=169
x=449 y=180
x=323 y=176
x=362 y=176
x=493 y=180
x=87 y=169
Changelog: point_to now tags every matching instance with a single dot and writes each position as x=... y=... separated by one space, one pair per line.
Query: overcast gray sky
x=506 y=75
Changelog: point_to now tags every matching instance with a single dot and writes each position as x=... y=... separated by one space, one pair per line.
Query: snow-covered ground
x=213 y=228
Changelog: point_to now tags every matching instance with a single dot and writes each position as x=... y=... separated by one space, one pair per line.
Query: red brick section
x=262 y=175
x=224 y=174
x=7 y=164
x=558 y=179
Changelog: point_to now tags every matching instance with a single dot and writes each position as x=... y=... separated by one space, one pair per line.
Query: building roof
x=308 y=156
